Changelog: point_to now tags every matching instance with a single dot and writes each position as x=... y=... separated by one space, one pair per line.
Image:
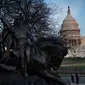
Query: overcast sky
x=77 y=10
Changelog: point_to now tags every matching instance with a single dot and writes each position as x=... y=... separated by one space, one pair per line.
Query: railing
x=69 y=71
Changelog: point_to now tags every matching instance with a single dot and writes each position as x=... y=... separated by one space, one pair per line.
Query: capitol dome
x=69 y=23
x=70 y=31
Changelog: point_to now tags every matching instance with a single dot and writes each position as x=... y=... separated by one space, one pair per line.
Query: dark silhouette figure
x=72 y=78
x=77 y=78
x=28 y=61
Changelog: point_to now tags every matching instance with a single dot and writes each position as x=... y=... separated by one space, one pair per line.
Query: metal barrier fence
x=71 y=71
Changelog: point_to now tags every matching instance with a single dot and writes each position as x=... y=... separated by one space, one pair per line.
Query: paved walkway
x=68 y=79
x=77 y=84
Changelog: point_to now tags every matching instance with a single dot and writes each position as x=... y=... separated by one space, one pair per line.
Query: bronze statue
x=33 y=58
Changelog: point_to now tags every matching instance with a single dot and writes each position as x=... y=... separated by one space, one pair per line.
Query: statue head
x=54 y=50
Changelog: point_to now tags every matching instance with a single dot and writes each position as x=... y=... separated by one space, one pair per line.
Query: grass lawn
x=73 y=62
x=72 y=65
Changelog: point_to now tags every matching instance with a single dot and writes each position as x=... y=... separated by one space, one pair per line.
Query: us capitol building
x=70 y=32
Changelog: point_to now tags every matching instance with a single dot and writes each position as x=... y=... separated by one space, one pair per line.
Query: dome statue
x=69 y=23
x=70 y=31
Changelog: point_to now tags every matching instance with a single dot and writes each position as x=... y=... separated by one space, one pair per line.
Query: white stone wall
x=79 y=52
